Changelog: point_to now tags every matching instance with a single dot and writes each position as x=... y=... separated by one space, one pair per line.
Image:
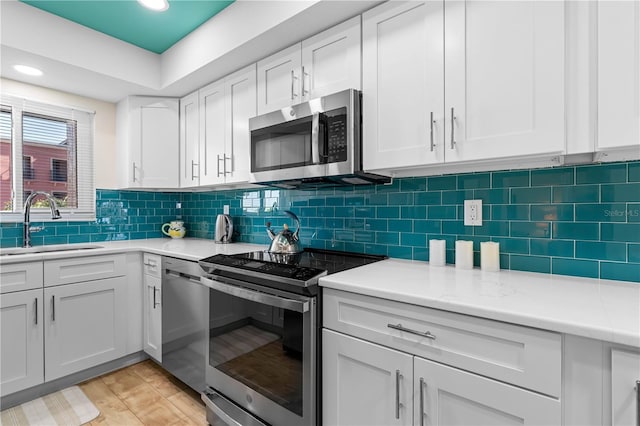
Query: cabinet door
x=504 y=79
x=625 y=387
x=402 y=85
x=618 y=74
x=331 y=60
x=240 y=98
x=454 y=397
x=84 y=325
x=155 y=143
x=21 y=344
x=279 y=80
x=153 y=317
x=364 y=383
x=212 y=129
x=189 y=140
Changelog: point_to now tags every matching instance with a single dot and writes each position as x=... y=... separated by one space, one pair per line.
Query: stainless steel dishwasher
x=185 y=313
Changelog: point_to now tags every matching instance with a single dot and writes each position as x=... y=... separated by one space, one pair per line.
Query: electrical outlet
x=472 y=212
x=225 y=209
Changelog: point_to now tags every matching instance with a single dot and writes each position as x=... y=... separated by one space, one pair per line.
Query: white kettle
x=224 y=229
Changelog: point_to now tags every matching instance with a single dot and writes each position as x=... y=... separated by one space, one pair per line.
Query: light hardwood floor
x=143 y=394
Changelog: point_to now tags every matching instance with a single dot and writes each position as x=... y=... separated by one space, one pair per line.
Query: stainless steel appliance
x=312 y=144
x=264 y=335
x=224 y=229
x=185 y=306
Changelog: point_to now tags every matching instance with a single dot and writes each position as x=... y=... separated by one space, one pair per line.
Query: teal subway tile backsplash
x=582 y=220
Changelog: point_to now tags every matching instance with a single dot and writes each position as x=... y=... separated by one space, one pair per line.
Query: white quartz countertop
x=186 y=248
x=599 y=309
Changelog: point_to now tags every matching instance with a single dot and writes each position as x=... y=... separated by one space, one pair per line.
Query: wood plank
x=112 y=410
x=191 y=406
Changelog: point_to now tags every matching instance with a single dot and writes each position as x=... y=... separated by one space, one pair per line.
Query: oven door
x=262 y=351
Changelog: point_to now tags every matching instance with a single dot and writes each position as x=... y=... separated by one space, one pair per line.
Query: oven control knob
x=249 y=399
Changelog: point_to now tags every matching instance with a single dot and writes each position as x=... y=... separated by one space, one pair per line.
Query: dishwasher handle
x=182 y=275
x=257 y=296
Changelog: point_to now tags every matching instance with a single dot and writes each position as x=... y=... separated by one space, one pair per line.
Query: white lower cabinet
x=368 y=384
x=84 y=325
x=625 y=387
x=152 y=306
x=362 y=382
x=21 y=344
x=448 y=396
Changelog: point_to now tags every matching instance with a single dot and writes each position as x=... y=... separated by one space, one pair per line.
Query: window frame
x=86 y=191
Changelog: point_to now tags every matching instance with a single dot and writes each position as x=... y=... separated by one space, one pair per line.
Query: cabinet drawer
x=79 y=269
x=152 y=264
x=20 y=276
x=519 y=355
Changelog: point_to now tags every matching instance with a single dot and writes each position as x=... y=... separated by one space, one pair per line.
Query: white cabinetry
x=189 y=137
x=148 y=142
x=152 y=322
x=625 y=387
x=500 y=94
x=435 y=367
x=214 y=131
x=21 y=344
x=618 y=75
x=84 y=325
x=323 y=64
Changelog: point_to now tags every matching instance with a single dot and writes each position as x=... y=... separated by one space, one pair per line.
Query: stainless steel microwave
x=313 y=144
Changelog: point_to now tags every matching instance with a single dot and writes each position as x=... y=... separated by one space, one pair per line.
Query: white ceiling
x=82 y=61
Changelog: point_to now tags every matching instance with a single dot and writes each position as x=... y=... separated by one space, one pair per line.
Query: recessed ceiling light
x=24 y=69
x=157 y=5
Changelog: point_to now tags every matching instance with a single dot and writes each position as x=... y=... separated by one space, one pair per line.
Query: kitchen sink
x=47 y=249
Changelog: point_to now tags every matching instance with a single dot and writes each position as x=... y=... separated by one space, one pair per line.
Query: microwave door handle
x=315 y=140
x=256 y=296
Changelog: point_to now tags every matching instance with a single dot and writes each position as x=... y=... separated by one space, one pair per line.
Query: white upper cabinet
x=212 y=133
x=462 y=81
x=189 y=153
x=225 y=109
x=323 y=64
x=148 y=142
x=403 y=84
x=618 y=75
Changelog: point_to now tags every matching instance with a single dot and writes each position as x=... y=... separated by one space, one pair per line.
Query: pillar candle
x=437 y=253
x=464 y=254
x=490 y=256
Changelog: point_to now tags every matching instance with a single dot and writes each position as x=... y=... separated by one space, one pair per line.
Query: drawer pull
x=36 y=309
x=426 y=334
x=398 y=404
x=422 y=413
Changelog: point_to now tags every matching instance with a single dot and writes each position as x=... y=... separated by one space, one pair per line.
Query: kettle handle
x=293 y=216
x=163 y=227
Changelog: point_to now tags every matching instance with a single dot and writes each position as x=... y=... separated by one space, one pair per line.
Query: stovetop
x=301 y=269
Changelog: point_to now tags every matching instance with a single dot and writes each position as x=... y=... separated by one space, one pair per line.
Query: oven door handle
x=257 y=296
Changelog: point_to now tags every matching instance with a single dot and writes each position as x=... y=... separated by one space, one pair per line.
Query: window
x=56 y=148
x=58 y=170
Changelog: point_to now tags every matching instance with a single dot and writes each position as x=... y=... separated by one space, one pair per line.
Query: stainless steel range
x=264 y=335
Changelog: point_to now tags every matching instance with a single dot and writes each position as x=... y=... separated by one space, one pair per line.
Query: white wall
x=105 y=124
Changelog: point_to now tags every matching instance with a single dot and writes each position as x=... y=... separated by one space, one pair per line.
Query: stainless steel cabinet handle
x=225 y=158
x=134 y=171
x=422 y=413
x=637 y=402
x=193 y=164
x=293 y=96
x=219 y=164
x=398 y=404
x=453 y=127
x=53 y=308
x=432 y=145
x=426 y=334
x=35 y=302
x=154 y=297
x=304 y=74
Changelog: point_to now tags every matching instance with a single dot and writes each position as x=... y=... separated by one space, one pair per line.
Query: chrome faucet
x=55 y=214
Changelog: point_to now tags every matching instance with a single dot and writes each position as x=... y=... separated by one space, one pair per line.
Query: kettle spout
x=270 y=232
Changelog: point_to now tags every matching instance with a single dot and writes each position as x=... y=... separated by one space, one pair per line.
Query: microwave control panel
x=336 y=138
